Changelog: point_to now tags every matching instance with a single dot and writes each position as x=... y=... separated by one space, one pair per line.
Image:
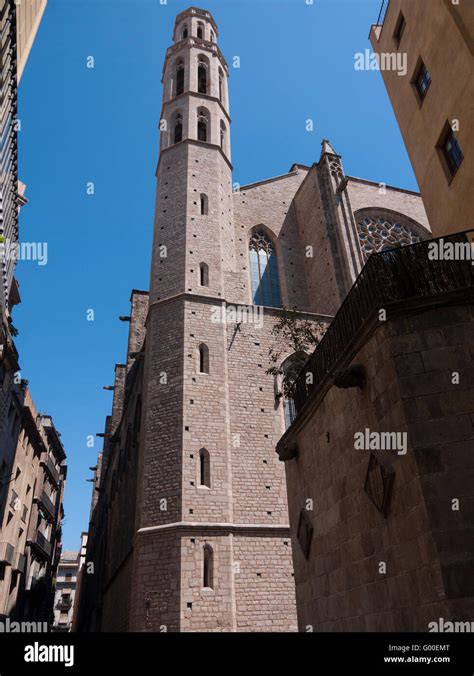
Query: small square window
x=450 y=151
x=399 y=29
x=421 y=80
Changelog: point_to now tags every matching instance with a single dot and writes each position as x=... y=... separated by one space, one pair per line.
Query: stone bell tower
x=196 y=546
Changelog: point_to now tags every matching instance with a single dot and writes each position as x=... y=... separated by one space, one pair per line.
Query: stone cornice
x=223 y=528
x=192 y=141
x=218 y=300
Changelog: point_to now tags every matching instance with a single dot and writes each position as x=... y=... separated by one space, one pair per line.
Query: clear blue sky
x=100 y=125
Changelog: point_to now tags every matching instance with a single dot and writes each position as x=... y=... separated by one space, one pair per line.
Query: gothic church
x=189 y=525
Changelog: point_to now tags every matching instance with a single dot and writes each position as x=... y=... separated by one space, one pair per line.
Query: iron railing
x=50 y=467
x=44 y=501
x=382 y=13
x=391 y=276
x=41 y=545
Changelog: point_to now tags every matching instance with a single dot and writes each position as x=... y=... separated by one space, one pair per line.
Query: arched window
x=204 y=205
x=203 y=274
x=208 y=567
x=178 y=128
x=291 y=368
x=179 y=77
x=203 y=67
x=213 y=37
x=204 y=468
x=200 y=31
x=384 y=229
x=221 y=86
x=264 y=271
x=203 y=125
x=184 y=34
x=203 y=358
x=223 y=136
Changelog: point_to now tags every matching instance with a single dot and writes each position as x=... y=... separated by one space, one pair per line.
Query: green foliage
x=298 y=336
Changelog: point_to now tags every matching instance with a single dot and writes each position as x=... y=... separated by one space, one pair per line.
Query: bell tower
x=208 y=546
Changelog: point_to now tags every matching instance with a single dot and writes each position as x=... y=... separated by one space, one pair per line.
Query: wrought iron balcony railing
x=41 y=545
x=401 y=274
x=44 y=501
x=50 y=468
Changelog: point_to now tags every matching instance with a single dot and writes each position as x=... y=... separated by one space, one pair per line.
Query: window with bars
x=264 y=271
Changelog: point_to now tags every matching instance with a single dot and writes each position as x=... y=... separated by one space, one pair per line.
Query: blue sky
x=81 y=125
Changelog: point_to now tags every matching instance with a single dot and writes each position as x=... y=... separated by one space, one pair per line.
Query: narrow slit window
x=178 y=128
x=204 y=468
x=203 y=274
x=204 y=205
x=208 y=573
x=203 y=358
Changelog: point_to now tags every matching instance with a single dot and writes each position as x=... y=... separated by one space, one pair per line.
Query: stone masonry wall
x=424 y=543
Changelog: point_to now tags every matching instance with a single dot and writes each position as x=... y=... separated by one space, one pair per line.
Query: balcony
x=64 y=605
x=410 y=274
x=19 y=563
x=44 y=501
x=50 y=469
x=41 y=545
x=7 y=553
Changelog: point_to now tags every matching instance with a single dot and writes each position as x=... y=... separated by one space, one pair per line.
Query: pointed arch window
x=203 y=68
x=179 y=77
x=178 y=128
x=290 y=370
x=184 y=34
x=204 y=468
x=221 y=86
x=264 y=271
x=203 y=274
x=208 y=567
x=203 y=125
x=203 y=358
x=200 y=31
x=223 y=136
x=204 y=205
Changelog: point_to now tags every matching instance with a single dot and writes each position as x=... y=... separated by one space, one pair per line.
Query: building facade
x=434 y=101
x=189 y=524
x=65 y=593
x=31 y=512
x=19 y=23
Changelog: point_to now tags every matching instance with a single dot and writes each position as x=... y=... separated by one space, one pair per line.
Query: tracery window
x=264 y=271
x=380 y=233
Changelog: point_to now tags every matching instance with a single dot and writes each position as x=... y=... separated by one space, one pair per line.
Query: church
x=189 y=522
